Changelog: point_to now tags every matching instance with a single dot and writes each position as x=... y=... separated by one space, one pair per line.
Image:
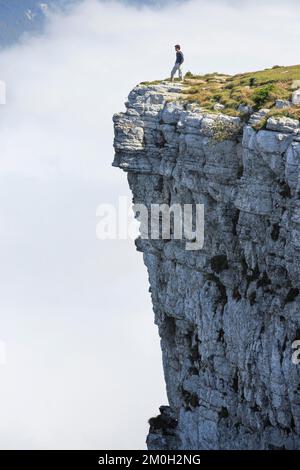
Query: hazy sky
x=83 y=359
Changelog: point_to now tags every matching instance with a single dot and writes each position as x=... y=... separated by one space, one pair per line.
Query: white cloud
x=83 y=360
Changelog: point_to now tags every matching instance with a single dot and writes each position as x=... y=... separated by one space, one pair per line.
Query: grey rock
x=244 y=109
x=295 y=85
x=283 y=124
x=258 y=116
x=282 y=104
x=227 y=314
x=296 y=97
x=219 y=107
x=273 y=142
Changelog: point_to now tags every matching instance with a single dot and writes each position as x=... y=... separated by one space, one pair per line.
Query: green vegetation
x=255 y=89
x=155 y=82
x=224 y=130
x=262 y=94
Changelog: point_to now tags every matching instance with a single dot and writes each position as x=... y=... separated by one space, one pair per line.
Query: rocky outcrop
x=229 y=313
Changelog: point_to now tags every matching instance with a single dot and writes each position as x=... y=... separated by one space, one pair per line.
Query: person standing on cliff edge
x=178 y=63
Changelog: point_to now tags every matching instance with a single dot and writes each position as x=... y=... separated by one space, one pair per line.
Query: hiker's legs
x=180 y=72
x=177 y=67
x=174 y=70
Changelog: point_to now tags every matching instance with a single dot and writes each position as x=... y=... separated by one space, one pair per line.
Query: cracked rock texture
x=228 y=314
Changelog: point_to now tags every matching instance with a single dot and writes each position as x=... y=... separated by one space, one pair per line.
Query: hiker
x=178 y=63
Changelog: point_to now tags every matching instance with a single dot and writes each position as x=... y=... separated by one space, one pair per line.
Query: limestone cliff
x=227 y=314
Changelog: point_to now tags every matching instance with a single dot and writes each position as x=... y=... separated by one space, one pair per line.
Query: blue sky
x=83 y=359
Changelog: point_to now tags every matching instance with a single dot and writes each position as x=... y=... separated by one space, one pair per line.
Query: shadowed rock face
x=227 y=314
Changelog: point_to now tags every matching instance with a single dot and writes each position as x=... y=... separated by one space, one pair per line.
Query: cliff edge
x=227 y=314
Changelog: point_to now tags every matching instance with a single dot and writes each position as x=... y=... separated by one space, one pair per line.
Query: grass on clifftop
x=258 y=89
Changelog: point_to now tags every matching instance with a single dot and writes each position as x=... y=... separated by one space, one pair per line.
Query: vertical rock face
x=229 y=313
